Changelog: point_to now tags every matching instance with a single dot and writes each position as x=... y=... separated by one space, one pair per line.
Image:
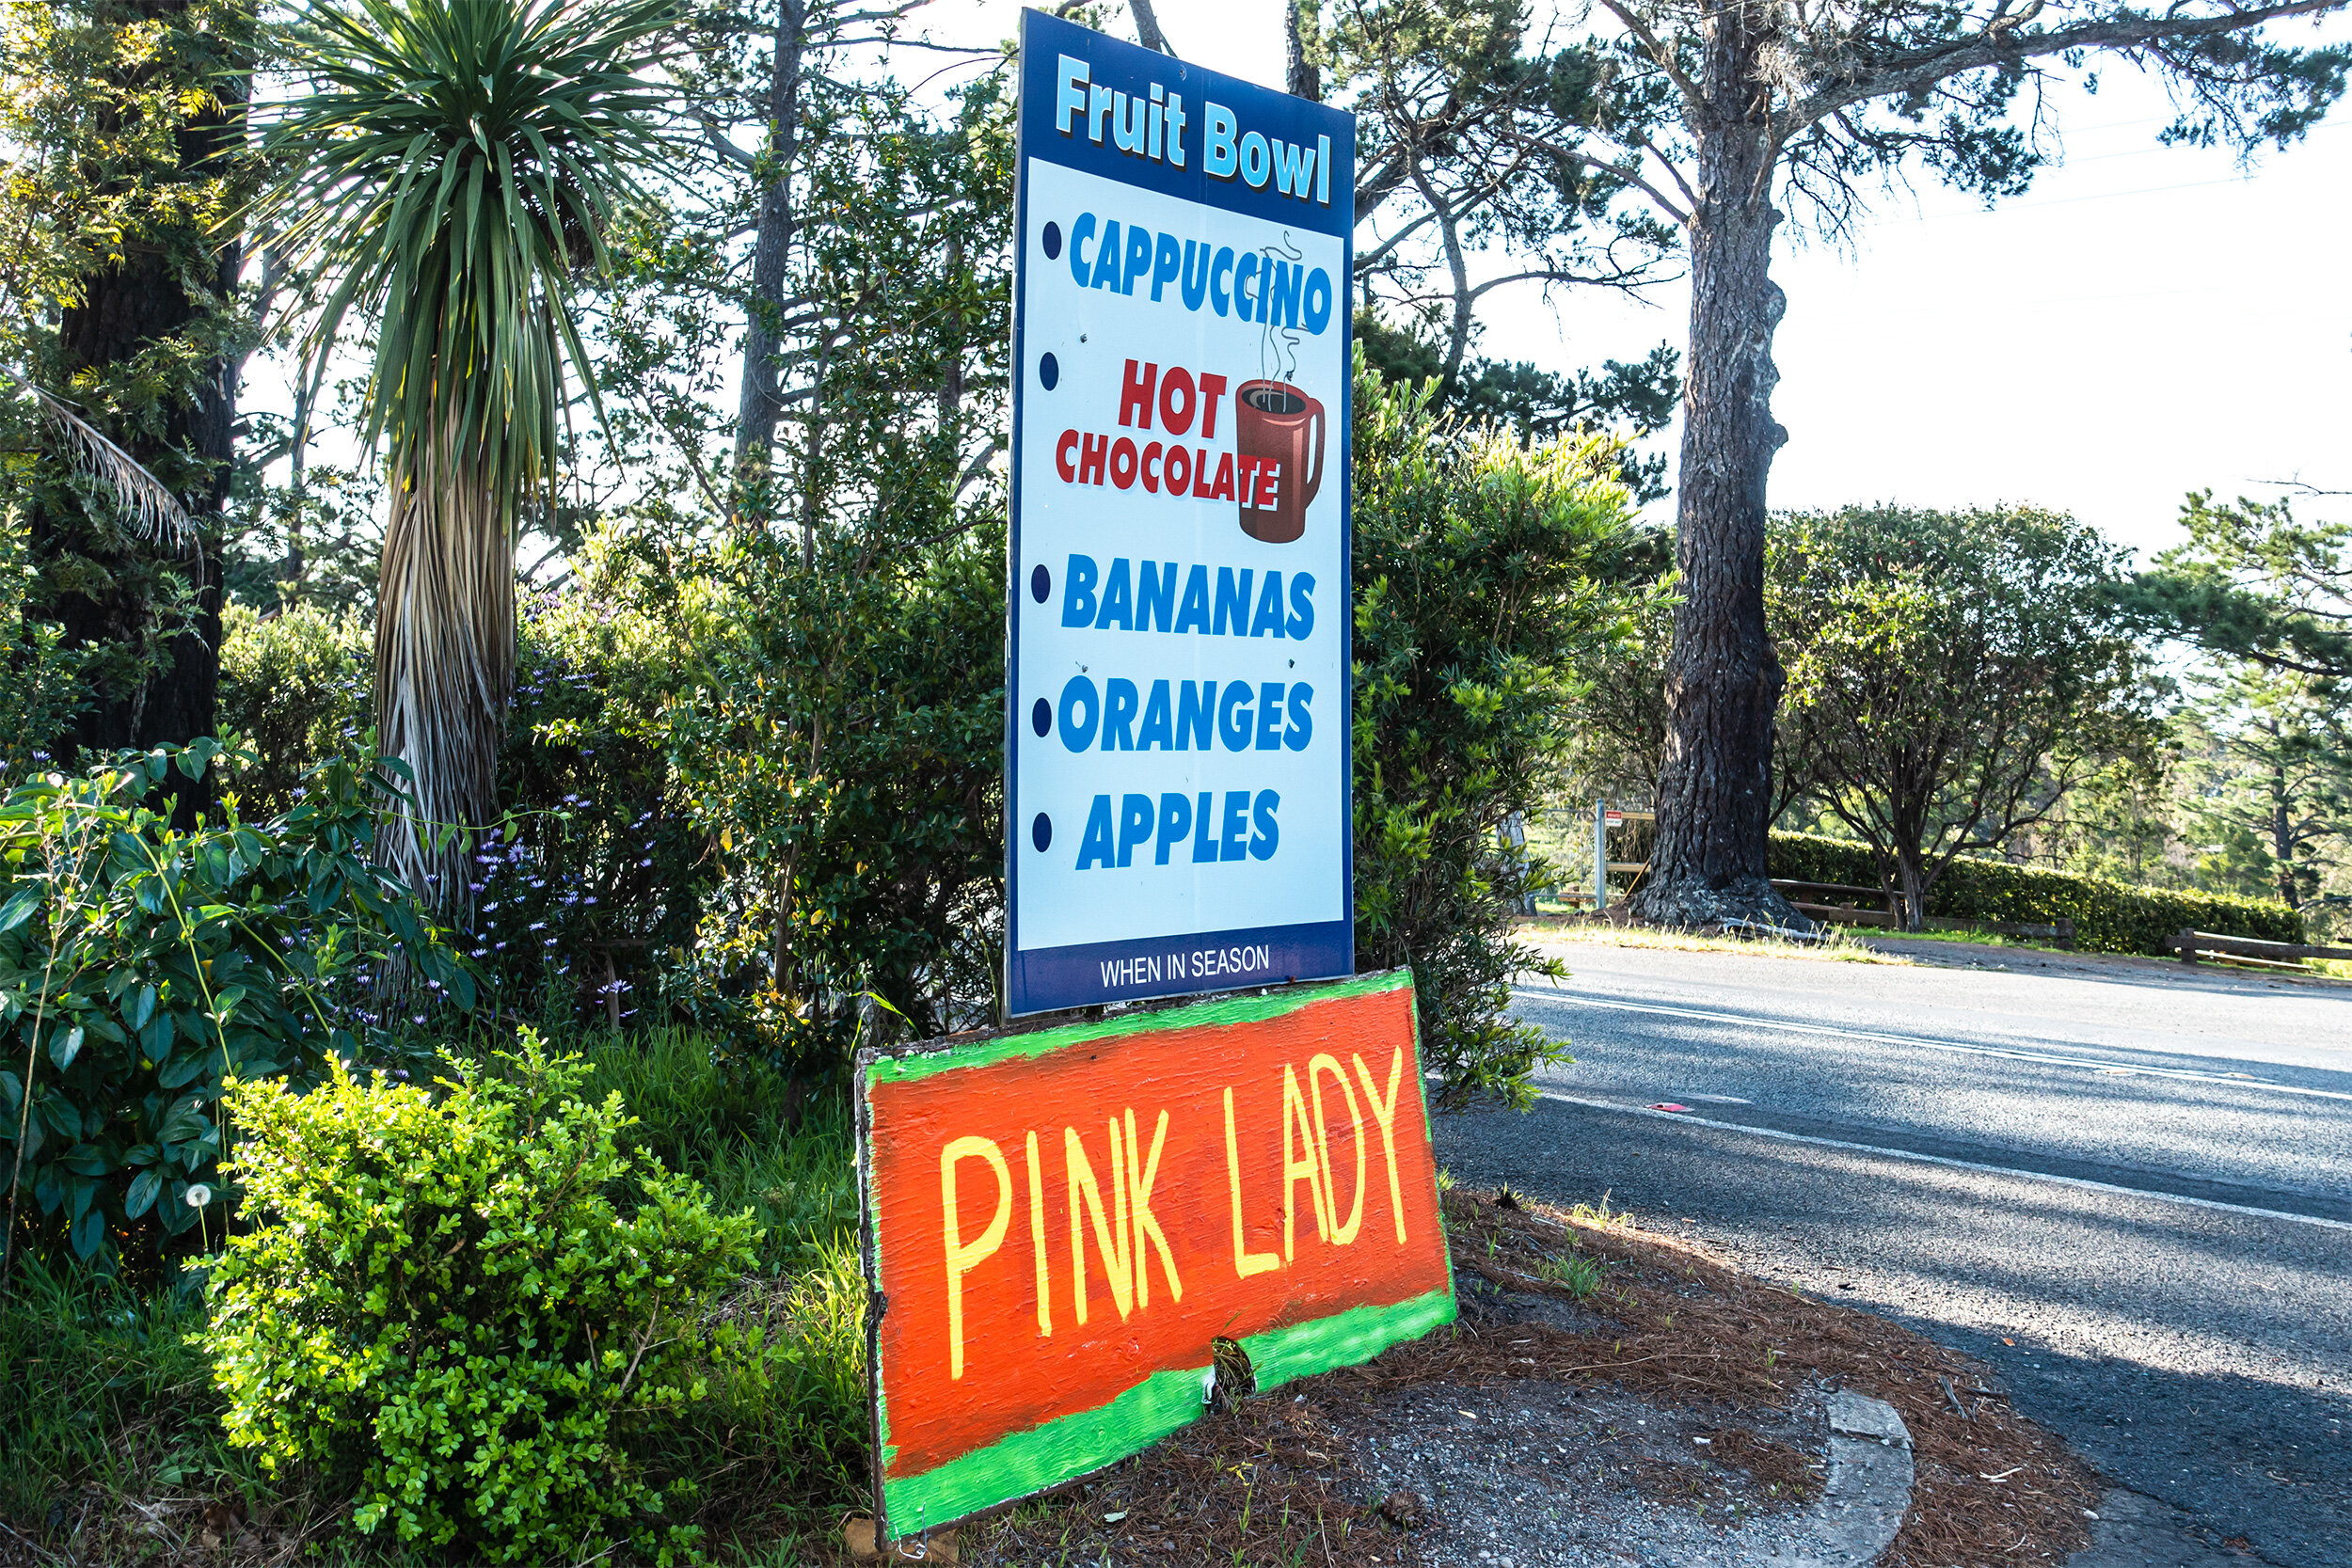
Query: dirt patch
x=1609 y=1396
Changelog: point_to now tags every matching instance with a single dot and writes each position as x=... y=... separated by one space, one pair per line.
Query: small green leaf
x=180 y=1070
x=64 y=1046
x=19 y=907
x=89 y=1234
x=141 y=1196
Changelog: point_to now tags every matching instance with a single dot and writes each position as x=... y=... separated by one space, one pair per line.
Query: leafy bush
x=472 y=1304
x=2109 y=916
x=293 y=689
x=142 y=966
x=597 y=873
x=844 y=752
x=41 y=685
x=786 y=1426
x=1486 y=578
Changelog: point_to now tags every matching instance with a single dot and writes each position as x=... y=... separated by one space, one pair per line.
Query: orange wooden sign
x=1058 y=1224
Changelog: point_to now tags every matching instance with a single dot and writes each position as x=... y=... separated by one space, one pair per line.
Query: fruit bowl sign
x=1177 y=818
x=1060 y=1223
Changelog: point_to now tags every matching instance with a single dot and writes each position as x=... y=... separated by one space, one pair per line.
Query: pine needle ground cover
x=1584 y=1310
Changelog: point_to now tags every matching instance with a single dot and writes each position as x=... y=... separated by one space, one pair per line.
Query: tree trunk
x=760 y=405
x=166 y=693
x=444 y=668
x=2282 y=837
x=1723 y=678
x=1148 y=27
x=1914 y=881
x=1301 y=77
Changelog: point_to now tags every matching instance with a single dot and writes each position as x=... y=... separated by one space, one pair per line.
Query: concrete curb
x=1868 y=1491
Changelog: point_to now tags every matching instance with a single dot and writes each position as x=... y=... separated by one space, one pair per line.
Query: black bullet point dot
x=1053 y=241
x=1041 y=584
x=1042 y=715
x=1041 y=831
x=1049 y=372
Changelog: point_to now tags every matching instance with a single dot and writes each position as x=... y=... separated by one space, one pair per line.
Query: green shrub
x=140 y=966
x=41 y=677
x=294 y=688
x=1485 y=580
x=788 y=1423
x=2109 y=916
x=596 y=874
x=844 y=752
x=472 y=1304
x=757 y=1136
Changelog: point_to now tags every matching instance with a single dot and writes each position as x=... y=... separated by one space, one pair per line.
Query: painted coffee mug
x=1280 y=427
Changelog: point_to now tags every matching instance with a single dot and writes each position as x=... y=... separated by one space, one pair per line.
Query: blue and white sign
x=1178 y=813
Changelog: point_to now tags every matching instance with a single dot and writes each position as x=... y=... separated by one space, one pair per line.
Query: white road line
x=1687 y=1119
x=1950 y=1047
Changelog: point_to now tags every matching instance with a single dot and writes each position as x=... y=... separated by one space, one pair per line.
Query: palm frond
x=457 y=163
x=145 y=499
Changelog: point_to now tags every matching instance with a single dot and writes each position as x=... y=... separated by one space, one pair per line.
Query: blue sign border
x=1049 y=979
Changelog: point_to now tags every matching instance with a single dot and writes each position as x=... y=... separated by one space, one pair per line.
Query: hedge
x=2110 y=917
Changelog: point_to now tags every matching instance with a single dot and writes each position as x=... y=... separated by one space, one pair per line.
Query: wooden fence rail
x=2253 y=950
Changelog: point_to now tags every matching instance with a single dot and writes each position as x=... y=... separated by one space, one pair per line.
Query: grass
x=1985 y=939
x=109 y=1422
x=103 y=1390
x=1839 y=946
x=1579 y=1276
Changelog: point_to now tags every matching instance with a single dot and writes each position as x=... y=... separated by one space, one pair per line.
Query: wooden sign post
x=1059 y=1223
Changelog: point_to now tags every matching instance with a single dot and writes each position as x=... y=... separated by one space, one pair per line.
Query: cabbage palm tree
x=448 y=176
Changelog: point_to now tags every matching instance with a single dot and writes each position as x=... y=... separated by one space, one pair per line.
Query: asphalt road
x=2140 y=1175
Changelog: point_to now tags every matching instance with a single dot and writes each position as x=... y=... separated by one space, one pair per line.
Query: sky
x=2144 y=321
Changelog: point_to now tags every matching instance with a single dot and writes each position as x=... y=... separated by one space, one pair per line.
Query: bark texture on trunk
x=760 y=405
x=444 y=667
x=113 y=597
x=1915 y=889
x=1148 y=26
x=2282 y=837
x=1723 y=678
x=1301 y=77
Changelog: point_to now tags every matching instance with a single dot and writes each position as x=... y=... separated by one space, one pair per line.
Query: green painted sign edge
x=1041 y=1042
x=1161 y=1404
